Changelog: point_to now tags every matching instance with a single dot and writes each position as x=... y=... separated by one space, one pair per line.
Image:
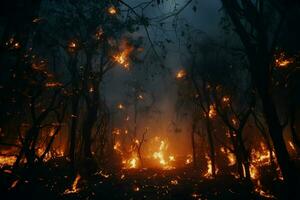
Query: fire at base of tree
x=141 y=100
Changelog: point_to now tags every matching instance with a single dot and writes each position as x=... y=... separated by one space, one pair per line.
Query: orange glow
x=122 y=58
x=53 y=84
x=99 y=33
x=13 y=44
x=209 y=171
x=112 y=10
x=189 y=159
x=230 y=156
x=160 y=155
x=121 y=106
x=72 y=46
x=226 y=99
x=292 y=145
x=181 y=74
x=282 y=60
x=212 y=111
x=174 y=182
x=7 y=160
x=74 y=188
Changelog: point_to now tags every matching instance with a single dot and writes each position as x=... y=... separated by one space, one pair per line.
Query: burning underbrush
x=147 y=168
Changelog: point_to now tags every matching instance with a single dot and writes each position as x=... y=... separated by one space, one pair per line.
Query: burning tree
x=259 y=37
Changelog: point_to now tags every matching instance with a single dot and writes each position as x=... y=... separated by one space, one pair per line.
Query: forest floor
x=185 y=183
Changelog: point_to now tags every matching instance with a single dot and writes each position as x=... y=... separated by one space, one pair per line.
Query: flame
x=116 y=131
x=112 y=10
x=74 y=188
x=13 y=44
x=136 y=188
x=122 y=57
x=7 y=160
x=99 y=33
x=181 y=74
x=212 y=111
x=141 y=97
x=174 y=182
x=261 y=192
x=72 y=46
x=121 y=106
x=282 y=61
x=50 y=154
x=160 y=155
x=292 y=145
x=53 y=84
x=133 y=162
x=230 y=156
x=226 y=99
x=117 y=147
x=189 y=159
x=209 y=171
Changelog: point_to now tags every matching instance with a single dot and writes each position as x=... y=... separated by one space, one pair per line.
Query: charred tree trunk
x=193 y=143
x=73 y=130
x=262 y=81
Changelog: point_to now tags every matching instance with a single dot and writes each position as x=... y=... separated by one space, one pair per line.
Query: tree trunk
x=73 y=130
x=262 y=82
x=193 y=143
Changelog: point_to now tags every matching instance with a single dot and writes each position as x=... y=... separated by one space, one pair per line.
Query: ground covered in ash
x=57 y=183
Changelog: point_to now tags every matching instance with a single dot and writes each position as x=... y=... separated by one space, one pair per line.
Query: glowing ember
x=112 y=10
x=189 y=159
x=121 y=106
x=261 y=192
x=72 y=46
x=99 y=33
x=230 y=156
x=7 y=160
x=53 y=84
x=74 y=188
x=14 y=184
x=136 y=188
x=212 y=111
x=116 y=131
x=282 y=61
x=13 y=44
x=174 y=182
x=50 y=154
x=226 y=99
x=180 y=74
x=117 y=147
x=103 y=174
x=292 y=145
x=140 y=97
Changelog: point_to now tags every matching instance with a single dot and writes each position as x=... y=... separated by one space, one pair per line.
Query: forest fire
x=140 y=100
